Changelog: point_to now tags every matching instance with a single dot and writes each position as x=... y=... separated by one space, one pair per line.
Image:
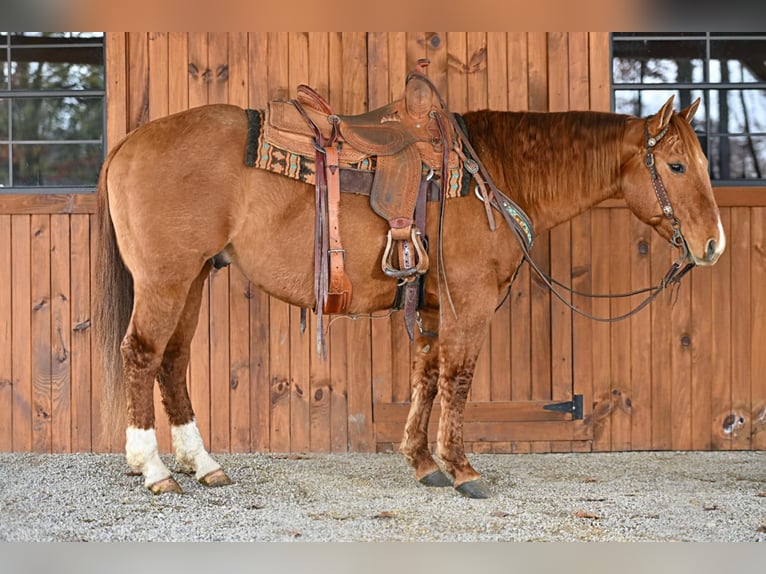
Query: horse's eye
x=677 y=167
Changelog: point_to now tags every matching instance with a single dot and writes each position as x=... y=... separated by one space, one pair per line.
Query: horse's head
x=666 y=184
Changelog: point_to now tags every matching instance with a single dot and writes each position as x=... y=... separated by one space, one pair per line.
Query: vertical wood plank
x=60 y=335
x=582 y=366
x=702 y=359
x=661 y=350
x=138 y=79
x=540 y=304
x=361 y=437
x=378 y=93
x=619 y=269
x=116 y=86
x=458 y=68
x=199 y=366
x=220 y=440
x=600 y=72
x=640 y=336
x=239 y=286
x=758 y=334
x=601 y=342
x=741 y=325
x=319 y=389
x=721 y=317
x=81 y=329
x=518 y=79
x=21 y=332
x=499 y=340
x=260 y=386
x=117 y=94
x=300 y=346
x=6 y=337
x=279 y=312
x=41 y=332
x=680 y=317
x=520 y=300
x=561 y=235
x=478 y=99
x=537 y=71
x=178 y=72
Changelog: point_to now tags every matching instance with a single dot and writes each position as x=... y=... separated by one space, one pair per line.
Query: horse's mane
x=542 y=156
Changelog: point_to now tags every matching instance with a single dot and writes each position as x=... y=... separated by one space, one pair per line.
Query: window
x=726 y=70
x=51 y=111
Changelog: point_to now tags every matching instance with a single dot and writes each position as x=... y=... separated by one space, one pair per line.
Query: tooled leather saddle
x=410 y=139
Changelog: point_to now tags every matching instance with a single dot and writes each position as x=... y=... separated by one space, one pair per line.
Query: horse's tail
x=113 y=305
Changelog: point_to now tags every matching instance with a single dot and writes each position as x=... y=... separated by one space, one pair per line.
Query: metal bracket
x=575 y=406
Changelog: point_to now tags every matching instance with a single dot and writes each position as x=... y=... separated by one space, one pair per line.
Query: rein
x=672 y=277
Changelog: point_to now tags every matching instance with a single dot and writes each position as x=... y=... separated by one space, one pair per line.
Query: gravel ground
x=648 y=496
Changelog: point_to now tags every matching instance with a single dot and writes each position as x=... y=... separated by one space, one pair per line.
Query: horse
x=175 y=192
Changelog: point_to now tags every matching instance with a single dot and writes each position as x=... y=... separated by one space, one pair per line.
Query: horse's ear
x=689 y=112
x=662 y=118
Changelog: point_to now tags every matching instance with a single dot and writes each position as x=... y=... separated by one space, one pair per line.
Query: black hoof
x=474 y=489
x=436 y=478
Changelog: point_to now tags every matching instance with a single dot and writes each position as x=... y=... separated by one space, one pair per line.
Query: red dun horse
x=175 y=193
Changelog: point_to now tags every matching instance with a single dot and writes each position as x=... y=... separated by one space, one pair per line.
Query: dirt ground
x=649 y=496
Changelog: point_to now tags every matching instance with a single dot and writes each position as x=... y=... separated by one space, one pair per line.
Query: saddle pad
x=269 y=156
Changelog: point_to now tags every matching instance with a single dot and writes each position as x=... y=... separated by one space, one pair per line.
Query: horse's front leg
x=424 y=379
x=460 y=343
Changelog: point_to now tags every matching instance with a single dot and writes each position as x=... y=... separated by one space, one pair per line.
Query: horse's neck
x=554 y=176
x=547 y=212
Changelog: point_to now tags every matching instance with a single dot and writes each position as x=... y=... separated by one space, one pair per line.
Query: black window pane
x=738 y=61
x=737 y=111
x=39 y=165
x=728 y=72
x=4 y=171
x=51 y=109
x=4 y=115
x=47 y=119
x=658 y=61
x=738 y=157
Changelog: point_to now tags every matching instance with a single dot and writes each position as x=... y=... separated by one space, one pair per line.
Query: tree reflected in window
x=51 y=111
x=728 y=71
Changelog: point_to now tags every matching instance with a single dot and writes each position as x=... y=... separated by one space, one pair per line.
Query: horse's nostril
x=710 y=250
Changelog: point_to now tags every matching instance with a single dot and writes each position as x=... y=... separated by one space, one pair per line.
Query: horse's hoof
x=436 y=478
x=165 y=486
x=215 y=478
x=474 y=489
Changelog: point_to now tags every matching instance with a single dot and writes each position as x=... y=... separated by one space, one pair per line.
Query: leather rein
x=671 y=279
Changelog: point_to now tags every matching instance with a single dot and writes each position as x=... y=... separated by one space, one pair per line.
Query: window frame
x=705 y=86
x=7 y=93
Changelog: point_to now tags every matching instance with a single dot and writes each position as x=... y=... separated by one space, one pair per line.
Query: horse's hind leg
x=187 y=441
x=414 y=446
x=156 y=311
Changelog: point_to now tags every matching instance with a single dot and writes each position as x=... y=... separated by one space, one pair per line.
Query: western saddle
x=411 y=139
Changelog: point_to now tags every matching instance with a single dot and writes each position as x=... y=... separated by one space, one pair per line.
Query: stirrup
x=420 y=252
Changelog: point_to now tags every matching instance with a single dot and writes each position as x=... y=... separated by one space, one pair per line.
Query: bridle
x=672 y=278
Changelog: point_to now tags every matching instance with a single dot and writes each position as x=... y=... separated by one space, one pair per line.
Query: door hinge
x=574 y=406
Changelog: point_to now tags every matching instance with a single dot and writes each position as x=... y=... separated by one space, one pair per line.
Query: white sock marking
x=190 y=450
x=142 y=454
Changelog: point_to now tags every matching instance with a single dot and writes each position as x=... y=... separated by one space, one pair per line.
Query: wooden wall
x=684 y=374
